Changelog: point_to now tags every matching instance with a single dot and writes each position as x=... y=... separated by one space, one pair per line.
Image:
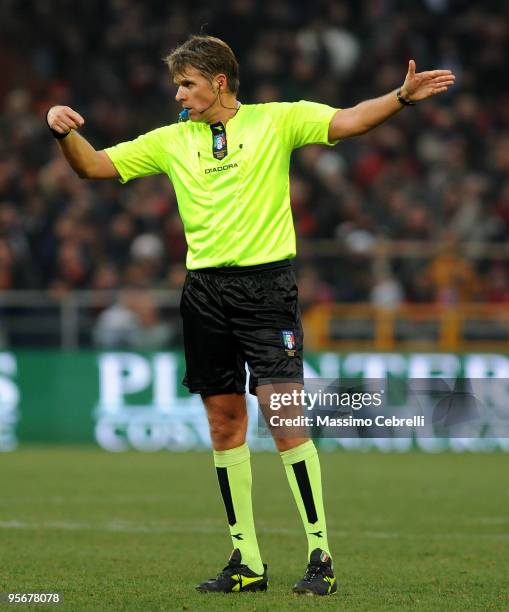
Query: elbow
x=348 y=133
x=84 y=173
x=364 y=129
x=348 y=130
x=359 y=130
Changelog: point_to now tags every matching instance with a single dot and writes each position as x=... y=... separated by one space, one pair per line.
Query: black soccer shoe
x=319 y=578
x=235 y=578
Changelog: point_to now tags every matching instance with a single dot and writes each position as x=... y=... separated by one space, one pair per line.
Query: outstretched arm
x=365 y=116
x=81 y=155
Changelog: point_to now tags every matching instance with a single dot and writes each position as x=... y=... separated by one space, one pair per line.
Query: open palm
x=422 y=85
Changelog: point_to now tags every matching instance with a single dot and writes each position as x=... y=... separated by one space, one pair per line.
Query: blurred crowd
x=438 y=172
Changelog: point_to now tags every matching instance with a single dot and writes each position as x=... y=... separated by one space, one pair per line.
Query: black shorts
x=233 y=316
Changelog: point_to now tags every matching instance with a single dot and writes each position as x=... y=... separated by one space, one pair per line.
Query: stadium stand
x=415 y=212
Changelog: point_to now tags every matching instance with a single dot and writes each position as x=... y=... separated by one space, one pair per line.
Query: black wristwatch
x=403 y=100
x=56 y=134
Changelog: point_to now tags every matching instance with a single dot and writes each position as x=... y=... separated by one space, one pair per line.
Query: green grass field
x=137 y=531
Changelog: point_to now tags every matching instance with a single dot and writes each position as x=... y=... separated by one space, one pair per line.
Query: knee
x=227 y=423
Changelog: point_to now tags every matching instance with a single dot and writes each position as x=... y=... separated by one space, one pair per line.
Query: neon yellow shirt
x=236 y=211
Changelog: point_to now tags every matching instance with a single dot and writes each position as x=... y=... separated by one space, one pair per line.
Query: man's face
x=196 y=93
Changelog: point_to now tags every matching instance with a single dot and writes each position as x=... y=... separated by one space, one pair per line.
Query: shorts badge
x=289 y=342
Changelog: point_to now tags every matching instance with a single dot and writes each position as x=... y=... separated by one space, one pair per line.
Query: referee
x=229 y=165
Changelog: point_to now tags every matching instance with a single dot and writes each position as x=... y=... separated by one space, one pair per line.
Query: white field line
x=91 y=499
x=121 y=526
x=488 y=520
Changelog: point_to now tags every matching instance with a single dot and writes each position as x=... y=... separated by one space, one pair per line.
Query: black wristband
x=403 y=100
x=56 y=134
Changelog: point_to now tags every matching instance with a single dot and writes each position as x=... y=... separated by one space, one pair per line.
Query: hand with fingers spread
x=422 y=85
x=62 y=119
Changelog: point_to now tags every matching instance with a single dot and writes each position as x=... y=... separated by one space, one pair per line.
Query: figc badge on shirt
x=219 y=142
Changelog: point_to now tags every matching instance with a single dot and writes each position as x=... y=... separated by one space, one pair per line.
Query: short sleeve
x=139 y=157
x=305 y=123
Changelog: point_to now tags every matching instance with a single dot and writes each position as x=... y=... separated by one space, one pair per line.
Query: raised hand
x=63 y=119
x=422 y=85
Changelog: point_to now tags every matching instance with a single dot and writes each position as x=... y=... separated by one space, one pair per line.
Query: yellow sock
x=234 y=474
x=303 y=471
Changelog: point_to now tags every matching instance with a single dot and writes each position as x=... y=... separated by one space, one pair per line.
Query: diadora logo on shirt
x=221 y=168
